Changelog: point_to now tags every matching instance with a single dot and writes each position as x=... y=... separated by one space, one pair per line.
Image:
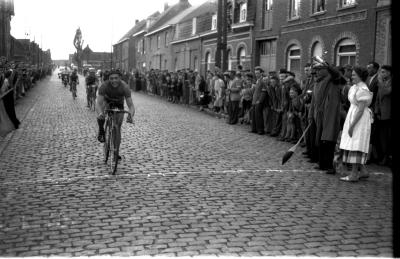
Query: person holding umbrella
x=357 y=126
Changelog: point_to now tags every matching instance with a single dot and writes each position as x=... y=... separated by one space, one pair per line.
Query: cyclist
x=92 y=83
x=74 y=80
x=111 y=95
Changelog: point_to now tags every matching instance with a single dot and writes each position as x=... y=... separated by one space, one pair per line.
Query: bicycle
x=92 y=97
x=110 y=134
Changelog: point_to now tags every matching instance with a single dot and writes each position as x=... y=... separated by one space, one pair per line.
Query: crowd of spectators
x=279 y=104
x=15 y=80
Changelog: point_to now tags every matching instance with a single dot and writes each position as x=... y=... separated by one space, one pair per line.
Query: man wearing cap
x=260 y=91
x=112 y=94
x=325 y=113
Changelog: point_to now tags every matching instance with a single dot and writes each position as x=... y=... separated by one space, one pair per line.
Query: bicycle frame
x=110 y=135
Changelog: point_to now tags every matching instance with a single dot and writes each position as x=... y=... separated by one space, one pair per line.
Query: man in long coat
x=325 y=110
x=259 y=95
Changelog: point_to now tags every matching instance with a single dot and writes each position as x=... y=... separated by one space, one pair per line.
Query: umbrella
x=290 y=152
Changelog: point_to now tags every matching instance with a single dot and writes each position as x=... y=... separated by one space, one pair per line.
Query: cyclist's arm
x=131 y=107
x=100 y=104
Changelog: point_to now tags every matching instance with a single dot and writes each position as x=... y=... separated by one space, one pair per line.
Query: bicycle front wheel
x=113 y=162
x=107 y=143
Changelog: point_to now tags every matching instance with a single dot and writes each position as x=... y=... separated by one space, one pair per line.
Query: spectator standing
x=357 y=127
x=325 y=111
x=246 y=97
x=234 y=98
x=383 y=115
x=260 y=89
x=307 y=87
x=219 y=85
x=372 y=83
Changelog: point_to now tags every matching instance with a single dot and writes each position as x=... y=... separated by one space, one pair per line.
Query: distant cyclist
x=92 y=83
x=112 y=94
x=73 y=81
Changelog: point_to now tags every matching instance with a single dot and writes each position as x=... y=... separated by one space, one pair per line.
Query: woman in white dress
x=357 y=127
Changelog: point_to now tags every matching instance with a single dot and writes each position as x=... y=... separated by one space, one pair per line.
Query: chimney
x=136 y=21
x=165 y=6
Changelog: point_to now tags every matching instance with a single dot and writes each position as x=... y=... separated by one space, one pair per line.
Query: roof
x=176 y=19
x=209 y=6
x=168 y=15
x=138 y=27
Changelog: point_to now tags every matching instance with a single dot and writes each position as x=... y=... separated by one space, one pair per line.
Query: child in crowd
x=294 y=116
x=246 y=98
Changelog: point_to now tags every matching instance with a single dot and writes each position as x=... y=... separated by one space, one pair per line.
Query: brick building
x=271 y=33
x=240 y=36
x=187 y=41
x=290 y=32
x=160 y=34
x=98 y=60
x=6 y=12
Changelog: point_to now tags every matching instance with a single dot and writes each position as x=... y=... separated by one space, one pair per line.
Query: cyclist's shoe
x=101 y=137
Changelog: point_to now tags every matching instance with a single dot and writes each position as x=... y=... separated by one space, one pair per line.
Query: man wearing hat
x=325 y=113
x=259 y=95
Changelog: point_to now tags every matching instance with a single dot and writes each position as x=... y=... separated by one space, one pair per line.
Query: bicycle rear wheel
x=113 y=162
x=107 y=142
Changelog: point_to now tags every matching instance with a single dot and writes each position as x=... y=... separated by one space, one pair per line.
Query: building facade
x=6 y=13
x=272 y=34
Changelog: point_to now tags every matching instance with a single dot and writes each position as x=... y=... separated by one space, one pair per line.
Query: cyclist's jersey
x=74 y=78
x=91 y=80
x=114 y=96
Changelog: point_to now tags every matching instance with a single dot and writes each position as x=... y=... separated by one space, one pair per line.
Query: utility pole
x=221 y=54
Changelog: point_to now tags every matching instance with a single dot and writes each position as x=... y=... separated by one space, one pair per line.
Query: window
x=318 y=6
x=294 y=9
x=150 y=43
x=241 y=56
x=194 y=25
x=347 y=3
x=243 y=12
x=346 y=52
x=268 y=15
x=268 y=5
x=268 y=54
x=316 y=49
x=229 y=55
x=166 y=39
x=143 y=47
x=208 y=61
x=195 y=66
x=293 y=59
x=214 y=22
x=158 y=41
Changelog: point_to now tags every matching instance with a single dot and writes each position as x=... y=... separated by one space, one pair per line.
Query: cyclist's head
x=92 y=70
x=114 y=77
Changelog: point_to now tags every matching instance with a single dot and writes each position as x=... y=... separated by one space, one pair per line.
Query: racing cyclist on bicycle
x=111 y=95
x=74 y=80
x=92 y=83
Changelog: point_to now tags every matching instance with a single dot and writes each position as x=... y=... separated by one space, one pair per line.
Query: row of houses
x=272 y=34
x=18 y=50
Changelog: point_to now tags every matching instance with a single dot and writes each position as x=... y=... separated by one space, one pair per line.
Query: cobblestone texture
x=188 y=184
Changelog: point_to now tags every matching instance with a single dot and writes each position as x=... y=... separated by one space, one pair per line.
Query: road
x=187 y=184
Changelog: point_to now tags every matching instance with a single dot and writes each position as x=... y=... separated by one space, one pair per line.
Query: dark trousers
x=257 y=122
x=9 y=106
x=310 y=141
x=384 y=132
x=233 y=111
x=277 y=123
x=326 y=153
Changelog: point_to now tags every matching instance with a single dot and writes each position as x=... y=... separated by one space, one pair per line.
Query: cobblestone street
x=187 y=184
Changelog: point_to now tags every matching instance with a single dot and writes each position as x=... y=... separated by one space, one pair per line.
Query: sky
x=53 y=23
